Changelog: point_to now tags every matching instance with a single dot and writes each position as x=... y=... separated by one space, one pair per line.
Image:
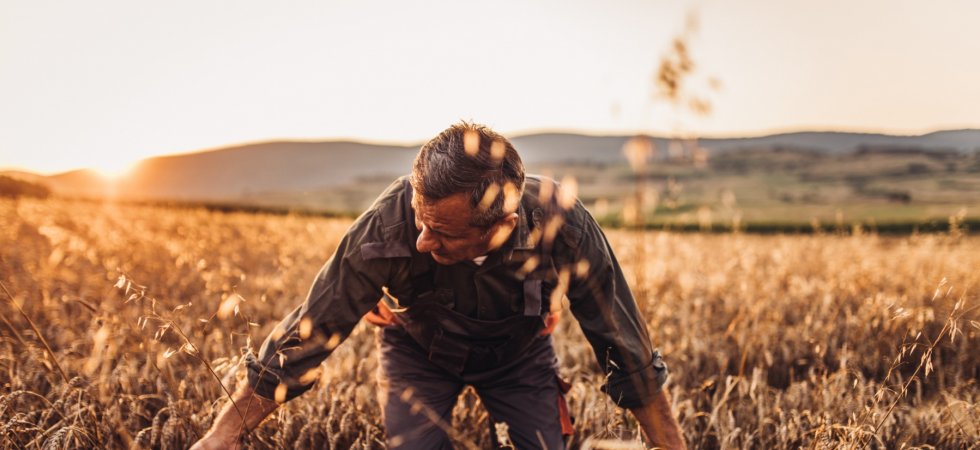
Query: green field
x=792 y=189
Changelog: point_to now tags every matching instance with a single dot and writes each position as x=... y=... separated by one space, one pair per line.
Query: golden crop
x=773 y=341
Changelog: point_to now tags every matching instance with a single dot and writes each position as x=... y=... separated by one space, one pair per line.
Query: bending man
x=470 y=259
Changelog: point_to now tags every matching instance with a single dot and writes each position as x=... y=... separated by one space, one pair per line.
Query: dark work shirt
x=374 y=253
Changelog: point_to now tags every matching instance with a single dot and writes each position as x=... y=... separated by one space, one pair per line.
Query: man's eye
x=436 y=232
x=450 y=237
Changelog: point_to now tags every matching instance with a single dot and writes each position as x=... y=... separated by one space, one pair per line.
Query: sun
x=114 y=171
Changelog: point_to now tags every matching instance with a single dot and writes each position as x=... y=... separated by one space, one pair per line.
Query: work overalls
x=435 y=351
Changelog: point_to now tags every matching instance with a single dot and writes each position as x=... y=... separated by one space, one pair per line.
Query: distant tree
x=899 y=196
x=13 y=188
x=917 y=168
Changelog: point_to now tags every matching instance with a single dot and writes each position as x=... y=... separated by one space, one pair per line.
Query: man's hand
x=244 y=412
x=218 y=441
x=658 y=423
x=381 y=315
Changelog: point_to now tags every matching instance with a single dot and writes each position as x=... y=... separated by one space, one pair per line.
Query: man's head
x=467 y=183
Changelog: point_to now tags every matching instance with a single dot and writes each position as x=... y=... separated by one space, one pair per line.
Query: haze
x=103 y=84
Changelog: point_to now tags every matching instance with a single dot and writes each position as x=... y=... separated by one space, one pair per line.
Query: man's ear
x=510 y=220
x=502 y=229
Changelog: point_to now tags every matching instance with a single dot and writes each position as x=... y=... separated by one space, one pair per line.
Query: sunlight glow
x=114 y=170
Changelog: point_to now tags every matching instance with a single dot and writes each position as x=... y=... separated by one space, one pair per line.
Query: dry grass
x=774 y=342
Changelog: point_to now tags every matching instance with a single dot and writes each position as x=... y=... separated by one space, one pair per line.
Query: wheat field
x=819 y=341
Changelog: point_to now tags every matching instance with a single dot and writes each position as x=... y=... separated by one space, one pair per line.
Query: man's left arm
x=604 y=306
x=658 y=423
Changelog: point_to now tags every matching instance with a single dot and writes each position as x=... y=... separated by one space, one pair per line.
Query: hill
x=775 y=173
x=273 y=167
x=964 y=141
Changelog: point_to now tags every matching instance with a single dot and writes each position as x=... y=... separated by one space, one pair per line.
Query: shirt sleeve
x=605 y=309
x=345 y=289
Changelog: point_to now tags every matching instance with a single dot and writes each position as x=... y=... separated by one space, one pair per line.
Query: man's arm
x=342 y=292
x=236 y=418
x=601 y=300
x=658 y=423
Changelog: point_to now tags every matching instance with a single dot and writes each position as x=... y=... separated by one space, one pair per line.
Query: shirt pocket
x=441 y=296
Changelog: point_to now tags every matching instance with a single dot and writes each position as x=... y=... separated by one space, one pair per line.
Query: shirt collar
x=520 y=240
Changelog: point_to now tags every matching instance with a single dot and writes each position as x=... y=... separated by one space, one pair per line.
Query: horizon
x=111 y=176
x=108 y=83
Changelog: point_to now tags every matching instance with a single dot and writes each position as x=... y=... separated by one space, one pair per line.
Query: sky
x=103 y=84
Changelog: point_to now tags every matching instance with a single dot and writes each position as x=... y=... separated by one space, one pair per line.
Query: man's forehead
x=454 y=210
x=452 y=201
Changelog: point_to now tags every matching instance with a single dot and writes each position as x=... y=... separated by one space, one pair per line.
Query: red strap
x=563 y=416
x=566 y=420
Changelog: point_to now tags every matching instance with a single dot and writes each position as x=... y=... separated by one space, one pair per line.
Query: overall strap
x=532 y=297
x=534 y=303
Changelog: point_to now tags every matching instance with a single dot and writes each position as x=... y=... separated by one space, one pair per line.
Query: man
x=469 y=258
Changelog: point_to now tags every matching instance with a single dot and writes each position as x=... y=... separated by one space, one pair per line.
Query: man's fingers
x=375 y=319
x=213 y=441
x=380 y=316
x=385 y=312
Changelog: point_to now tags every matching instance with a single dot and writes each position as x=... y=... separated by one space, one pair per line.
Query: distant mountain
x=247 y=170
x=74 y=183
x=539 y=149
x=282 y=170
x=557 y=147
x=837 y=142
x=79 y=183
x=30 y=177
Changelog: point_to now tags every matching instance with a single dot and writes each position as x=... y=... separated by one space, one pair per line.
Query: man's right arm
x=237 y=417
x=287 y=364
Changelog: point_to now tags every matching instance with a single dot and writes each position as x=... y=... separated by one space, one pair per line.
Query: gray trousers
x=417 y=397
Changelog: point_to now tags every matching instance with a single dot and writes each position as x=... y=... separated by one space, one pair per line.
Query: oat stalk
x=40 y=337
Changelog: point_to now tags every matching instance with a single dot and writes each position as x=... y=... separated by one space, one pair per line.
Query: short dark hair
x=472 y=159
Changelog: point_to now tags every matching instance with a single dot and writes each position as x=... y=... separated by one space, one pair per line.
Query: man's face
x=446 y=232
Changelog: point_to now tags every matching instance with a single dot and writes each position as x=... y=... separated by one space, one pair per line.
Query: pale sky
x=104 y=83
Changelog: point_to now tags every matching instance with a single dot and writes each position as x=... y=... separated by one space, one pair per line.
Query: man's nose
x=426 y=242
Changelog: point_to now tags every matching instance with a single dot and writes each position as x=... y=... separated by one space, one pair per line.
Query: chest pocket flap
x=389 y=249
